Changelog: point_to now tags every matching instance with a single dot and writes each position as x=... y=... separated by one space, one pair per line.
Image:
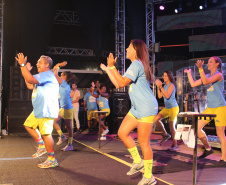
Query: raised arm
x=92 y=91
x=190 y=79
x=122 y=81
x=56 y=70
x=29 y=67
x=106 y=95
x=28 y=77
x=110 y=75
x=205 y=80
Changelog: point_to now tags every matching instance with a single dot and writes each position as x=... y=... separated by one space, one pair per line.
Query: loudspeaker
x=120 y=105
x=82 y=117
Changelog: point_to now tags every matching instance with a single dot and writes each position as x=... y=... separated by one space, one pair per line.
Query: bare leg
x=202 y=134
x=55 y=123
x=160 y=124
x=173 y=131
x=34 y=134
x=144 y=133
x=49 y=143
x=221 y=136
x=128 y=124
x=68 y=123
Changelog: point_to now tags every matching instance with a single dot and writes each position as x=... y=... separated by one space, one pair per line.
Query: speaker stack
x=120 y=105
x=19 y=105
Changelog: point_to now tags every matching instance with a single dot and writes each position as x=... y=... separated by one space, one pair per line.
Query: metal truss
x=70 y=51
x=67 y=18
x=170 y=58
x=2 y=3
x=120 y=34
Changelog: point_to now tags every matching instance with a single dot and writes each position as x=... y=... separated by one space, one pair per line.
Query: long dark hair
x=218 y=60
x=71 y=78
x=171 y=78
x=142 y=54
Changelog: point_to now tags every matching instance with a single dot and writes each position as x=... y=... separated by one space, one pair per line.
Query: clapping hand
x=158 y=83
x=93 y=85
x=187 y=70
x=29 y=67
x=97 y=84
x=111 y=60
x=103 y=67
x=199 y=63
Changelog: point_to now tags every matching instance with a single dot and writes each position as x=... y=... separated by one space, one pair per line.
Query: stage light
x=161 y=7
x=214 y=1
x=200 y=7
x=176 y=10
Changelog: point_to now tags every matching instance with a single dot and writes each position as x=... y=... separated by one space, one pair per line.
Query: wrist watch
x=22 y=65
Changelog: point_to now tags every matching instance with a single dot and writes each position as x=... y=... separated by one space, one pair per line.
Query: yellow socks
x=135 y=155
x=70 y=140
x=148 y=168
x=60 y=133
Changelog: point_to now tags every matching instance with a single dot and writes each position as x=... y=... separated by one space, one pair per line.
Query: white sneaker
x=148 y=181
x=67 y=148
x=102 y=138
x=61 y=140
x=105 y=132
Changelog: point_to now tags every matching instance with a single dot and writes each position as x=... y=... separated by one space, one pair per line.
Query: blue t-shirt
x=215 y=95
x=103 y=103
x=143 y=101
x=171 y=102
x=45 y=95
x=91 y=102
x=65 y=99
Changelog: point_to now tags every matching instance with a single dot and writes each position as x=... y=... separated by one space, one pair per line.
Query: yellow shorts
x=172 y=113
x=66 y=113
x=108 y=111
x=45 y=124
x=220 y=119
x=148 y=119
x=90 y=114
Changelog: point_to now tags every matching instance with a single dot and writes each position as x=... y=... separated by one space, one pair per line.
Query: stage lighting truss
x=70 y=51
x=67 y=18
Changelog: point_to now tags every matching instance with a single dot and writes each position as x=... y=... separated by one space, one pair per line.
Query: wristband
x=200 y=70
x=112 y=67
x=22 y=65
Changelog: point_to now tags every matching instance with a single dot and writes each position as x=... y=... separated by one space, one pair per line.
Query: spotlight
x=161 y=7
x=176 y=10
x=200 y=7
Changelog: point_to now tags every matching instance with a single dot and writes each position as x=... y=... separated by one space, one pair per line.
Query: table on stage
x=194 y=119
x=99 y=114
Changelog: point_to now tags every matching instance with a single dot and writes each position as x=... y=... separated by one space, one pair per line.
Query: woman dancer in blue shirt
x=215 y=104
x=171 y=107
x=144 y=106
x=66 y=107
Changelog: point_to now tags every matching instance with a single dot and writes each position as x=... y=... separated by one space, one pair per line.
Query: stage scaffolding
x=1 y=49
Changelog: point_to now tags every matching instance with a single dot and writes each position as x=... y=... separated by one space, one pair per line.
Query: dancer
x=103 y=105
x=144 y=106
x=215 y=104
x=75 y=95
x=45 y=103
x=66 y=107
x=90 y=105
x=171 y=107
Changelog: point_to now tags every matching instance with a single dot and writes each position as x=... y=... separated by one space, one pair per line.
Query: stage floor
x=89 y=165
